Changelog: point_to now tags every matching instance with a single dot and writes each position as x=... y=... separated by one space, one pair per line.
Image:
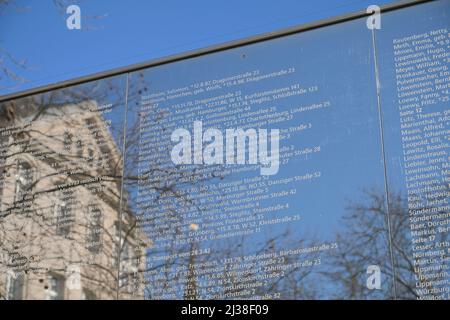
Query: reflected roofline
x=208 y=50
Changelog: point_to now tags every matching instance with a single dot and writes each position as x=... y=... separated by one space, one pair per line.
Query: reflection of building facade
x=60 y=191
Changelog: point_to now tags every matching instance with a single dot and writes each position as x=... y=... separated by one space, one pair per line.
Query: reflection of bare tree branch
x=42 y=249
x=364 y=242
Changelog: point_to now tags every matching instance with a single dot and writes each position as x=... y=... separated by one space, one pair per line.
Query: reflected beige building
x=60 y=191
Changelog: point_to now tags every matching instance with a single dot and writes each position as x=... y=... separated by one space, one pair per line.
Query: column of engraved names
x=423 y=86
x=243 y=202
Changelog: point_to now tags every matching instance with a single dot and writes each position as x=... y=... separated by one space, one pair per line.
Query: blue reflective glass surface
x=414 y=61
x=307 y=166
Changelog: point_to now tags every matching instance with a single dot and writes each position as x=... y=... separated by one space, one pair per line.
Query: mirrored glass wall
x=309 y=166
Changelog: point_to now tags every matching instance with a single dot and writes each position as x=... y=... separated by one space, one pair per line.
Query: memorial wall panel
x=263 y=227
x=311 y=165
x=414 y=64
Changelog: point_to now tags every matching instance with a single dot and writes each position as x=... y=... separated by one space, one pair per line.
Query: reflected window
x=24 y=178
x=63 y=213
x=90 y=157
x=88 y=295
x=124 y=279
x=128 y=266
x=94 y=232
x=115 y=245
x=120 y=236
x=80 y=150
x=124 y=276
x=100 y=162
x=126 y=252
x=14 y=286
x=55 y=289
x=67 y=141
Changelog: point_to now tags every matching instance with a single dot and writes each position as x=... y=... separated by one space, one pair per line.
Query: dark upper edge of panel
x=208 y=50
